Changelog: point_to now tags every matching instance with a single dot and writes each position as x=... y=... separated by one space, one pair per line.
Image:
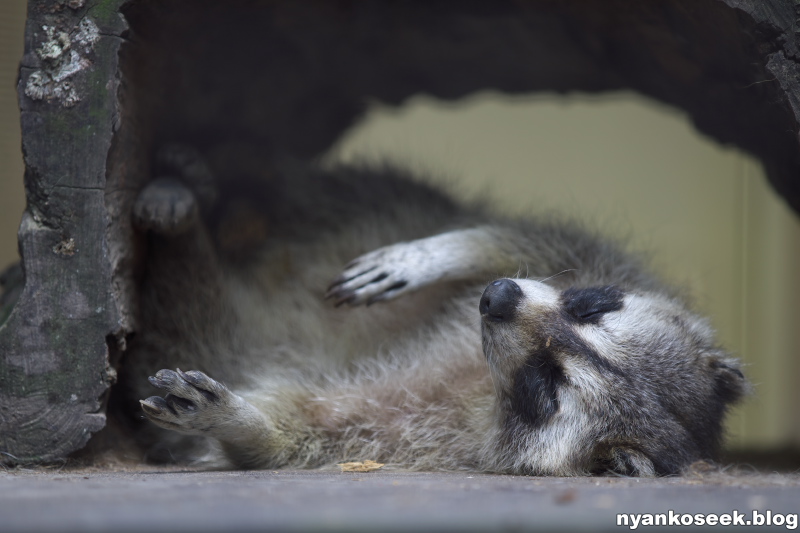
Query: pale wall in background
x=636 y=167
x=12 y=201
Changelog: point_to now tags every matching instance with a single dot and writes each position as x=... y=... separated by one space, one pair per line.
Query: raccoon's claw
x=165 y=206
x=154 y=405
x=194 y=403
x=367 y=286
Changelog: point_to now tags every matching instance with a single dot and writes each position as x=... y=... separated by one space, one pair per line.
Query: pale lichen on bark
x=62 y=55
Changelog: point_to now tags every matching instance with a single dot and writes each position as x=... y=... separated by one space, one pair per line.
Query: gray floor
x=153 y=501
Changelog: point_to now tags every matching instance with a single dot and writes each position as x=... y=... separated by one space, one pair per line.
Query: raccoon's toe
x=193 y=385
x=165 y=206
x=154 y=406
x=159 y=411
x=366 y=288
x=370 y=278
x=194 y=403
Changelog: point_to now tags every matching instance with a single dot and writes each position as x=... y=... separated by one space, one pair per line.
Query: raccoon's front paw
x=166 y=206
x=194 y=404
x=380 y=275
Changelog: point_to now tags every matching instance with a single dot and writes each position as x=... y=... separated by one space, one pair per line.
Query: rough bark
x=292 y=75
x=54 y=368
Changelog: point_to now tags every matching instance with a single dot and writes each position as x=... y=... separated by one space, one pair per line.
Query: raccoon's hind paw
x=165 y=206
x=185 y=186
x=194 y=403
x=186 y=162
x=376 y=276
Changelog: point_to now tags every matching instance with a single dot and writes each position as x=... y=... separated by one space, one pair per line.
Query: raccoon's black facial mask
x=590 y=304
x=534 y=399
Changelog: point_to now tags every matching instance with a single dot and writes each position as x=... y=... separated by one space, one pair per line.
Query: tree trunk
x=56 y=342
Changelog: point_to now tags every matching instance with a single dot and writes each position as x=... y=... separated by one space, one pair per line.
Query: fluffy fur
x=286 y=362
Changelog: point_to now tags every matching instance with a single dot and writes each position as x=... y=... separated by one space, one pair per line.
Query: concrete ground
x=173 y=501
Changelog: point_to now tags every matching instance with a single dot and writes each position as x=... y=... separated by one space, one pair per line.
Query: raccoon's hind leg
x=171 y=203
x=460 y=255
x=183 y=274
x=182 y=302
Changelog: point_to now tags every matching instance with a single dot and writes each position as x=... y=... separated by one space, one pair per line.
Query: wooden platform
x=159 y=500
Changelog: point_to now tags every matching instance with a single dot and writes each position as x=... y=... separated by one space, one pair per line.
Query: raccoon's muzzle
x=499 y=301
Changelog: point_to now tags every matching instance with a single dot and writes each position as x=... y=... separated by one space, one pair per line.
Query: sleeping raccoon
x=584 y=364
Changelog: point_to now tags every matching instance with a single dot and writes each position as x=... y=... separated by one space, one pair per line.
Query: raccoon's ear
x=631 y=462
x=730 y=384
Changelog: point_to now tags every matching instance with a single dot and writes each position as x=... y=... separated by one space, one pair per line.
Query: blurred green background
x=636 y=167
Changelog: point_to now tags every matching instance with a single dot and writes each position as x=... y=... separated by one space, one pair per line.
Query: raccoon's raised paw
x=188 y=164
x=165 y=206
x=194 y=404
x=380 y=275
x=405 y=267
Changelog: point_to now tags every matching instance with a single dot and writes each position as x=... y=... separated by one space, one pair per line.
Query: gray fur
x=244 y=299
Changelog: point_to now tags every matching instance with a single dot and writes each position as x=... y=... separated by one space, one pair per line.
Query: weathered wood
x=292 y=76
x=54 y=367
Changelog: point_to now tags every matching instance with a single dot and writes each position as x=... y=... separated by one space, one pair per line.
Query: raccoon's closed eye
x=588 y=305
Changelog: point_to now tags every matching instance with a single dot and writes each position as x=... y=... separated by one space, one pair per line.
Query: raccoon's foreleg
x=195 y=404
x=388 y=272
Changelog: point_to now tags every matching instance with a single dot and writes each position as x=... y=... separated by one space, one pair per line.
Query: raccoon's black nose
x=499 y=300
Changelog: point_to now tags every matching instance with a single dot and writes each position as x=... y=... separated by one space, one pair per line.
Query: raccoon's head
x=597 y=378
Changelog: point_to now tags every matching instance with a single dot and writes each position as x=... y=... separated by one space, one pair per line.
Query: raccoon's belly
x=290 y=324
x=273 y=316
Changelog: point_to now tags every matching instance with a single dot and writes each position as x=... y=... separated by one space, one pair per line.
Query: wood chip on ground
x=358 y=466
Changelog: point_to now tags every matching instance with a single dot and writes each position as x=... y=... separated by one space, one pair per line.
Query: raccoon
x=429 y=349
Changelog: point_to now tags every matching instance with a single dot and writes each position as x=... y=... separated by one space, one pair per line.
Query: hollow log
x=104 y=82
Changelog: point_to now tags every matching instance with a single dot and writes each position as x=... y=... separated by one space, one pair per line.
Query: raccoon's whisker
x=558 y=274
x=519 y=270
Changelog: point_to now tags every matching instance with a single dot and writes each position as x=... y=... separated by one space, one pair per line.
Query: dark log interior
x=292 y=76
